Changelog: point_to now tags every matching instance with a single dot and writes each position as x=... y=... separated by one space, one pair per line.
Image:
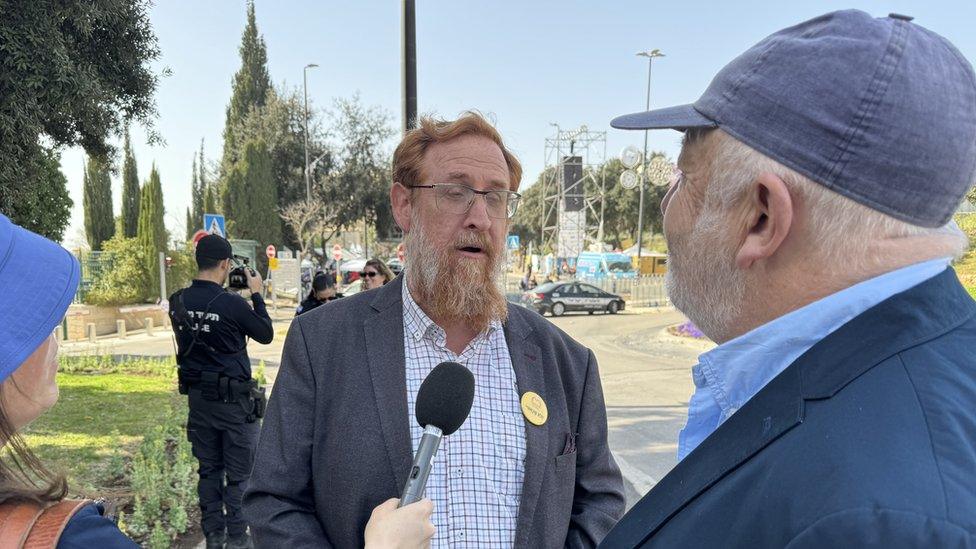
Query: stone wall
x=79 y=316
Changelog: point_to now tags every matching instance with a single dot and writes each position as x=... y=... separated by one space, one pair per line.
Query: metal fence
x=93 y=264
x=645 y=291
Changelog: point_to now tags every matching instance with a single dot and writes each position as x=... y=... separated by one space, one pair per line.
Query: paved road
x=647 y=382
x=645 y=373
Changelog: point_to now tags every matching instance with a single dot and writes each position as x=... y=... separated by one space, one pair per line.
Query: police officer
x=212 y=326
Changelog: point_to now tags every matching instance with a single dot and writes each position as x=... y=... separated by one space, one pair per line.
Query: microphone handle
x=413 y=491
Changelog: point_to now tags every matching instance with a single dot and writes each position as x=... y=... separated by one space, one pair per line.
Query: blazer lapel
x=529 y=374
x=385 y=354
x=773 y=411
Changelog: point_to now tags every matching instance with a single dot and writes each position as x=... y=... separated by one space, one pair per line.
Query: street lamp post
x=650 y=55
x=308 y=177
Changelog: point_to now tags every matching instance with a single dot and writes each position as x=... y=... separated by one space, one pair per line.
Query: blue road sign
x=513 y=242
x=214 y=224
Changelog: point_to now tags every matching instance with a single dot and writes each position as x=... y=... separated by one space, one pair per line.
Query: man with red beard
x=530 y=467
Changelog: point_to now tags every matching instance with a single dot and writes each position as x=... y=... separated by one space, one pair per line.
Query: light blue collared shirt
x=729 y=375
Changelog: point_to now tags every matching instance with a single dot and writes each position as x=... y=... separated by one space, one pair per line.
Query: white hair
x=845 y=229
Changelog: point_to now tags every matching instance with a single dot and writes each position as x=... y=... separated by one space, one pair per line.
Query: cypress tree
x=191 y=227
x=97 y=203
x=152 y=231
x=196 y=198
x=257 y=218
x=130 y=191
x=200 y=185
x=210 y=200
x=251 y=84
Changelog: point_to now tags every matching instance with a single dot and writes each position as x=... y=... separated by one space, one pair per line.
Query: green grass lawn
x=99 y=417
x=966 y=266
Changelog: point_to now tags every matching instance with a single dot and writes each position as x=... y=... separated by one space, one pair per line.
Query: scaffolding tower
x=572 y=213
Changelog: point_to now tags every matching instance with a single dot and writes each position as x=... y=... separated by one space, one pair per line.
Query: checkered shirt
x=476 y=479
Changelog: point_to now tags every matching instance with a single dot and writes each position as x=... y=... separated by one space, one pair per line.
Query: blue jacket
x=89 y=529
x=866 y=440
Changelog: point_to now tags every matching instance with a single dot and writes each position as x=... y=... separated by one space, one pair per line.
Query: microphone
x=443 y=404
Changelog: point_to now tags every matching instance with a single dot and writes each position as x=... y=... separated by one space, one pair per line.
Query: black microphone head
x=445 y=397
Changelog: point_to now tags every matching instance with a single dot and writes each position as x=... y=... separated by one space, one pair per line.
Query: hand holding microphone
x=443 y=404
x=392 y=528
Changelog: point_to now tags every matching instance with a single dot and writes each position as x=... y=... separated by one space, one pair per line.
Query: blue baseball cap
x=880 y=110
x=39 y=279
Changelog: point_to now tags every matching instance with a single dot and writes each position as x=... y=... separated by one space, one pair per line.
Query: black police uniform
x=215 y=372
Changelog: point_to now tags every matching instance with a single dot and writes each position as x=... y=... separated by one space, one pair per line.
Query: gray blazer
x=336 y=438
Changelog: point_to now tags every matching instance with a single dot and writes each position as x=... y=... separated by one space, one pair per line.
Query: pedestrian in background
x=323 y=291
x=375 y=274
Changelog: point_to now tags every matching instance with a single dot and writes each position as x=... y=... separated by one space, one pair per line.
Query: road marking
x=641 y=481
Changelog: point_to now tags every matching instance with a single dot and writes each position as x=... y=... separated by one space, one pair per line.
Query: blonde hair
x=409 y=154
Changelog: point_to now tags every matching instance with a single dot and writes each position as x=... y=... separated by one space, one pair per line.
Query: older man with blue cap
x=810 y=236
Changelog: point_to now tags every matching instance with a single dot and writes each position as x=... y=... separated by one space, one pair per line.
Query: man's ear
x=769 y=218
x=400 y=202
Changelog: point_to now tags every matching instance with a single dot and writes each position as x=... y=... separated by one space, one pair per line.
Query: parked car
x=558 y=298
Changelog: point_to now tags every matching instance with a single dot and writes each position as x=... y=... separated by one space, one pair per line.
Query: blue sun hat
x=38 y=280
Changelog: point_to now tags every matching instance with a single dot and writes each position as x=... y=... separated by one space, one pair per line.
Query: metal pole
x=308 y=180
x=162 y=276
x=409 y=69
x=640 y=205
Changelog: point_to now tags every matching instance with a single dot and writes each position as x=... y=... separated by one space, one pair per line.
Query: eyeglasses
x=369 y=274
x=453 y=198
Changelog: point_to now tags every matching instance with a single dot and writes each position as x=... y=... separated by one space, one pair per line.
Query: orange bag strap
x=16 y=521
x=28 y=525
x=48 y=527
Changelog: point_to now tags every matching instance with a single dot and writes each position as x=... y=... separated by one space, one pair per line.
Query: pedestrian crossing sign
x=214 y=224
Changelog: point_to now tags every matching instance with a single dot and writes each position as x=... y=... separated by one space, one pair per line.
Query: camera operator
x=212 y=326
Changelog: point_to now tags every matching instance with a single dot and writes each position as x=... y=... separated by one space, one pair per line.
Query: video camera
x=237 y=279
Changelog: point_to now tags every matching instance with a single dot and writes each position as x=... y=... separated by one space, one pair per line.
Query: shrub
x=163 y=482
x=128 y=280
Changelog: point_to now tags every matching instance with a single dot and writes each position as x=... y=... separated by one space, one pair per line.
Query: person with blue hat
x=810 y=235
x=39 y=280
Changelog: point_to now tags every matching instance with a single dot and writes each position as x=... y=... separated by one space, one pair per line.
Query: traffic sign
x=270 y=250
x=214 y=224
x=337 y=252
x=273 y=263
x=513 y=242
x=198 y=235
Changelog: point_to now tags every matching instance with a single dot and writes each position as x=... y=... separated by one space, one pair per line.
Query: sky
x=525 y=64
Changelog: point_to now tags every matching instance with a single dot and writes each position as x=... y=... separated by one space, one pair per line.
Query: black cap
x=445 y=397
x=214 y=246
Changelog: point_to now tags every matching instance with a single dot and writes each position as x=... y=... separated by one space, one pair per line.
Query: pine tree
x=97 y=203
x=251 y=83
x=152 y=231
x=130 y=191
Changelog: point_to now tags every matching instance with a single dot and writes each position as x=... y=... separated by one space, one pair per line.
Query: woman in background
x=375 y=274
